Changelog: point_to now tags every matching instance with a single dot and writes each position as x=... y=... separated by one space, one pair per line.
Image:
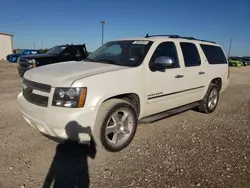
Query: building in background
x=6 y=45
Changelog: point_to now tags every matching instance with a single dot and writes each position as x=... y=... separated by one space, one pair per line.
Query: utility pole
x=230 y=45
x=102 y=22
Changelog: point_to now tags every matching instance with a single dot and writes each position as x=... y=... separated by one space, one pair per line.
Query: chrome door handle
x=201 y=72
x=179 y=76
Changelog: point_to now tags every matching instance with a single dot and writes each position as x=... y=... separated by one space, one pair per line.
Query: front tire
x=210 y=101
x=115 y=125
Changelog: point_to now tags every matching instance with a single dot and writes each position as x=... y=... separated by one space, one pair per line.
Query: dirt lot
x=187 y=150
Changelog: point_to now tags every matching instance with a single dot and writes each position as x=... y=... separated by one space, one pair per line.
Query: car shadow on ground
x=69 y=168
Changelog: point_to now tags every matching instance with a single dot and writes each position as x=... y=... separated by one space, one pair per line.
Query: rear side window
x=26 y=52
x=214 y=54
x=72 y=50
x=190 y=54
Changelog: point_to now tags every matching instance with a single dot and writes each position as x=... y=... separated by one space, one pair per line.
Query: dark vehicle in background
x=246 y=60
x=14 y=57
x=57 y=54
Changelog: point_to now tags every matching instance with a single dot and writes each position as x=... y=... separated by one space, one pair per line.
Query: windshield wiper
x=106 y=61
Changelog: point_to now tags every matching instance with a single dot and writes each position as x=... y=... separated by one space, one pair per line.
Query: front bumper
x=21 y=71
x=60 y=123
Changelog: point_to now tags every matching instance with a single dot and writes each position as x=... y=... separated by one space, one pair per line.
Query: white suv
x=123 y=83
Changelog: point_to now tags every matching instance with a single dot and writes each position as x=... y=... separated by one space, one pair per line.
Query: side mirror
x=163 y=62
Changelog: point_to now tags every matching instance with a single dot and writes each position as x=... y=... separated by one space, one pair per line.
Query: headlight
x=32 y=63
x=69 y=97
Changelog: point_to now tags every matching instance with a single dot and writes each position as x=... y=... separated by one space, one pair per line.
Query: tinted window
x=214 y=54
x=56 y=50
x=166 y=49
x=72 y=50
x=27 y=52
x=80 y=52
x=190 y=54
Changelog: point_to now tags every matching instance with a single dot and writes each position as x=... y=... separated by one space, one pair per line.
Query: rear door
x=195 y=72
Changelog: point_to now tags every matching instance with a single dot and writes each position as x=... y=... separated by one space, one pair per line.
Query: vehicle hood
x=37 y=56
x=64 y=74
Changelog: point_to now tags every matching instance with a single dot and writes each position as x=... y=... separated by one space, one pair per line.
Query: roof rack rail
x=180 y=37
x=206 y=41
x=147 y=36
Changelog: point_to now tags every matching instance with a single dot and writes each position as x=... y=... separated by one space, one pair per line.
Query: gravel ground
x=187 y=150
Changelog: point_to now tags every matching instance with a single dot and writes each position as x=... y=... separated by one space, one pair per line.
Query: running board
x=168 y=113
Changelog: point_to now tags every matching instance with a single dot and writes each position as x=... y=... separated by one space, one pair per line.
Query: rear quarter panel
x=215 y=70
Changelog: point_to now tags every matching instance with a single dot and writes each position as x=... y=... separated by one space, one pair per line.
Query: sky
x=52 y=22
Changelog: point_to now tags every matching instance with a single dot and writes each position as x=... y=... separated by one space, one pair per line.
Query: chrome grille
x=40 y=100
x=23 y=63
x=34 y=98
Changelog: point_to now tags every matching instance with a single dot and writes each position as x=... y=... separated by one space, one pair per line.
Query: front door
x=163 y=88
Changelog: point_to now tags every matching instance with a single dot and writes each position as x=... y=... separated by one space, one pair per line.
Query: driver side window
x=166 y=49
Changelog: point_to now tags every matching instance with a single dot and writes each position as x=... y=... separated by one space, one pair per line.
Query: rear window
x=214 y=54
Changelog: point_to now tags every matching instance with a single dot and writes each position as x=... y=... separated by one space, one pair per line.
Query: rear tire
x=115 y=125
x=210 y=101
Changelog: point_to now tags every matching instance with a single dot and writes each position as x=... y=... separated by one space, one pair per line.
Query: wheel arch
x=217 y=81
x=132 y=98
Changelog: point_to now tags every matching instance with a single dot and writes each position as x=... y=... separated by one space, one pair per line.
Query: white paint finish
x=64 y=74
x=5 y=46
x=53 y=120
x=106 y=85
x=161 y=82
x=104 y=81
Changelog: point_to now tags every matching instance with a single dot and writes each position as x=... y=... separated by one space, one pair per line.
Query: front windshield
x=123 y=53
x=56 y=50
